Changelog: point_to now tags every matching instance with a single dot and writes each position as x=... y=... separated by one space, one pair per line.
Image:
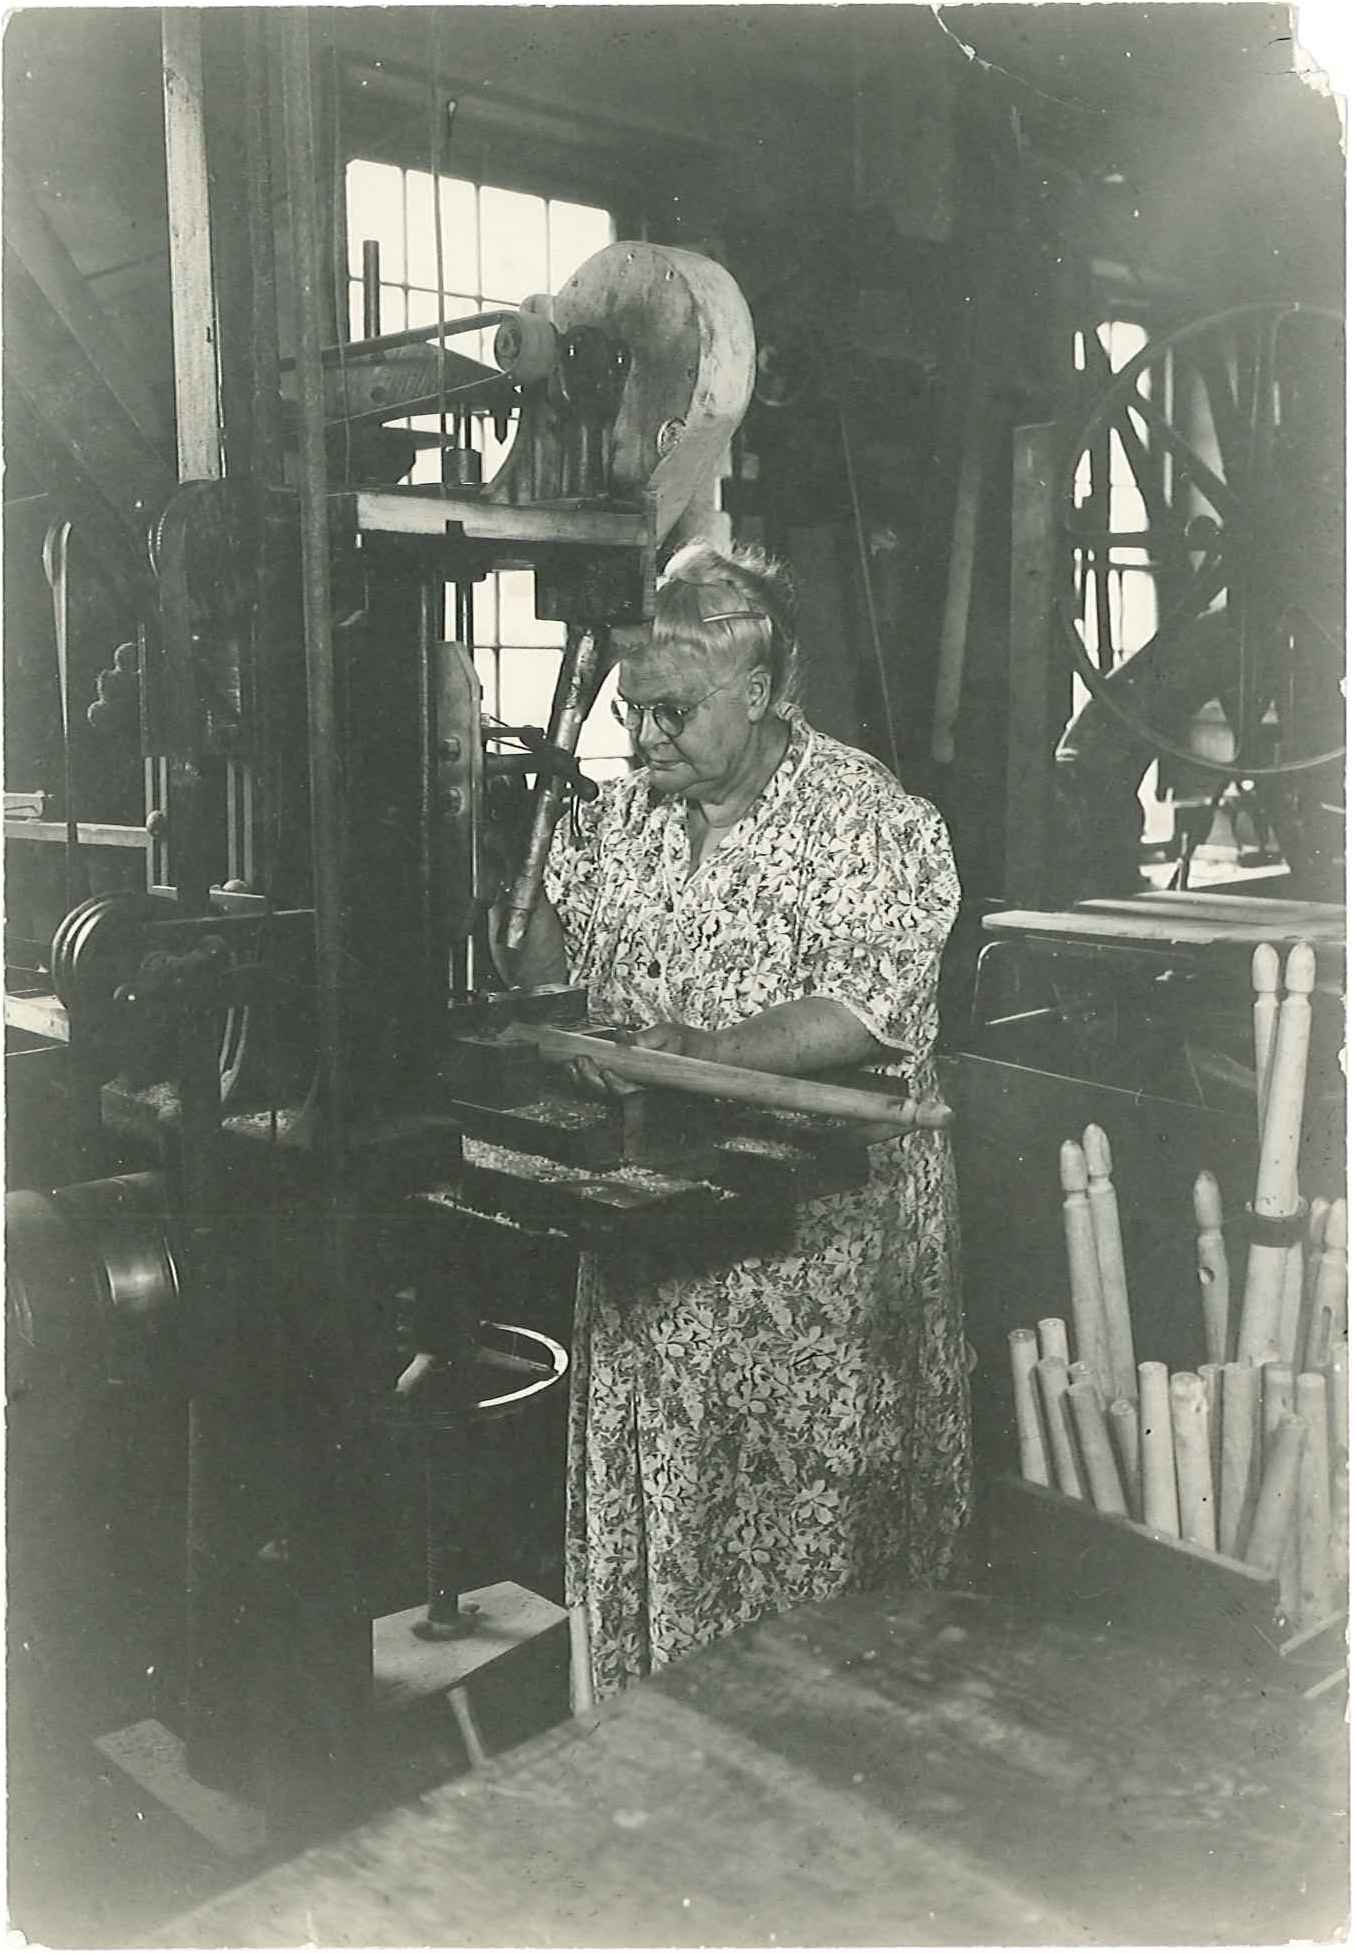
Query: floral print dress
x=747 y=1437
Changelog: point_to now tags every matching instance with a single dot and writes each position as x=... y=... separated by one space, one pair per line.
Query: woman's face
x=723 y=703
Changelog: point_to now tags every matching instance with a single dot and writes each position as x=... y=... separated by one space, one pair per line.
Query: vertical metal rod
x=323 y=728
x=582 y=670
x=371 y=288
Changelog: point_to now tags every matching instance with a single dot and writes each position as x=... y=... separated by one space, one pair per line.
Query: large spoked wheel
x=1224 y=440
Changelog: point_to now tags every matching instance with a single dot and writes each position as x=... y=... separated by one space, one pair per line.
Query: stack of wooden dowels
x=1248 y=1455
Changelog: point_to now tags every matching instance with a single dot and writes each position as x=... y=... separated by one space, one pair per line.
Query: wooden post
x=1105 y=1212
x=1094 y=1442
x=1212 y=1262
x=1052 y=1377
x=1275 y=1503
x=1276 y=1176
x=1084 y=1275
x=1123 y=1419
x=1053 y=1335
x=1190 y=1436
x=197 y=418
x=1314 y=1495
x=1029 y=1432
x=1037 y=678
x=1157 y=1459
x=1239 y=1473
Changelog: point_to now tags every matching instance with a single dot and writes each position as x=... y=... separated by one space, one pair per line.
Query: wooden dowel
x=1030 y=1437
x=1083 y=1374
x=1314 y=1528
x=1084 y=1275
x=1211 y=1376
x=1278 y=1495
x=581 y=1700
x=1277 y=1403
x=1340 y=1531
x=1194 y=1482
x=1123 y=1419
x=1329 y=1287
x=1276 y=1174
x=1053 y=1335
x=1211 y=1257
x=1311 y=1329
x=1239 y=1472
x=1105 y=1211
x=1052 y=1379
x=1157 y=1456
x=1338 y=1399
x=1289 y=1330
x=1265 y=977
x=737 y=1082
x=1098 y=1461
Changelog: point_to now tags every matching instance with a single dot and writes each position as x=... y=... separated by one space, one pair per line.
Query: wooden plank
x=960 y=571
x=43 y=1015
x=891 y=1769
x=197 y=419
x=1074 y=1560
x=53 y=271
x=497 y=522
x=1267 y=914
x=1151 y=930
x=90 y=834
x=1036 y=681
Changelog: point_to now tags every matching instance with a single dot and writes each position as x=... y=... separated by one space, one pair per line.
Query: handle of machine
x=581 y=672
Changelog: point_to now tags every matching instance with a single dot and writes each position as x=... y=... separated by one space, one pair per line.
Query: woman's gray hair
x=739 y=599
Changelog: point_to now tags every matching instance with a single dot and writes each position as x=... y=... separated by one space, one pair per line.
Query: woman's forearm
x=811 y=1034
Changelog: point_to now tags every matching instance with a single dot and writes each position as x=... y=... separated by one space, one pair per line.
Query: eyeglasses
x=670 y=720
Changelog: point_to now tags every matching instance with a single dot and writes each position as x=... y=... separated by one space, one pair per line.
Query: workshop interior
x=362 y=370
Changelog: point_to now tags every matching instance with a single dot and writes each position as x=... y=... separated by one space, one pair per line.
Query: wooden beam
x=1036 y=669
x=197 y=414
x=52 y=269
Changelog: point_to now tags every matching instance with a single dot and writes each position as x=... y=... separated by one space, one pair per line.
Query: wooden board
x=1154 y=928
x=898 y=1770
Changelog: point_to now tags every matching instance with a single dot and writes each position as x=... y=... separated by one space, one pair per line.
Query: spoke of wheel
x=1208 y=363
x=1210 y=485
x=1099 y=456
x=1260 y=412
x=1136 y=453
x=1203 y=588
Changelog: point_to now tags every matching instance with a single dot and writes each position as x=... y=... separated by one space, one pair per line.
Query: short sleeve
x=880 y=900
x=572 y=870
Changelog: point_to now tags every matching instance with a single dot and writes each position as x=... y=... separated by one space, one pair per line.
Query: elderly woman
x=747 y=1437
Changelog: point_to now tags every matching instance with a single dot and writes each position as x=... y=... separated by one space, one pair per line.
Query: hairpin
x=722 y=617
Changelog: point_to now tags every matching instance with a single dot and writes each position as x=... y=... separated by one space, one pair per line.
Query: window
x=498 y=247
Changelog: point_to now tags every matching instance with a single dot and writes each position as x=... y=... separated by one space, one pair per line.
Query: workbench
x=890 y=1769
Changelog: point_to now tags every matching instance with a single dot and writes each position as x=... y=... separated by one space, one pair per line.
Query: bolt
x=156 y=822
x=450 y=748
x=452 y=801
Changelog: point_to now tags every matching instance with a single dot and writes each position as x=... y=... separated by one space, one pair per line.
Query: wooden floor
x=899 y=1770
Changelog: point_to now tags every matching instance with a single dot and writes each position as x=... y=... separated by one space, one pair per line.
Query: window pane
x=576 y=232
x=526 y=685
x=376 y=210
x=512 y=245
x=518 y=621
x=601 y=737
x=458 y=233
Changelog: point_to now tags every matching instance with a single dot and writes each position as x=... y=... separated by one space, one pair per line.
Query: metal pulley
x=92 y=1289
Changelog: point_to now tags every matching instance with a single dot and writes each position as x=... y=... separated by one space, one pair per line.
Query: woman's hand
x=684 y=1039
